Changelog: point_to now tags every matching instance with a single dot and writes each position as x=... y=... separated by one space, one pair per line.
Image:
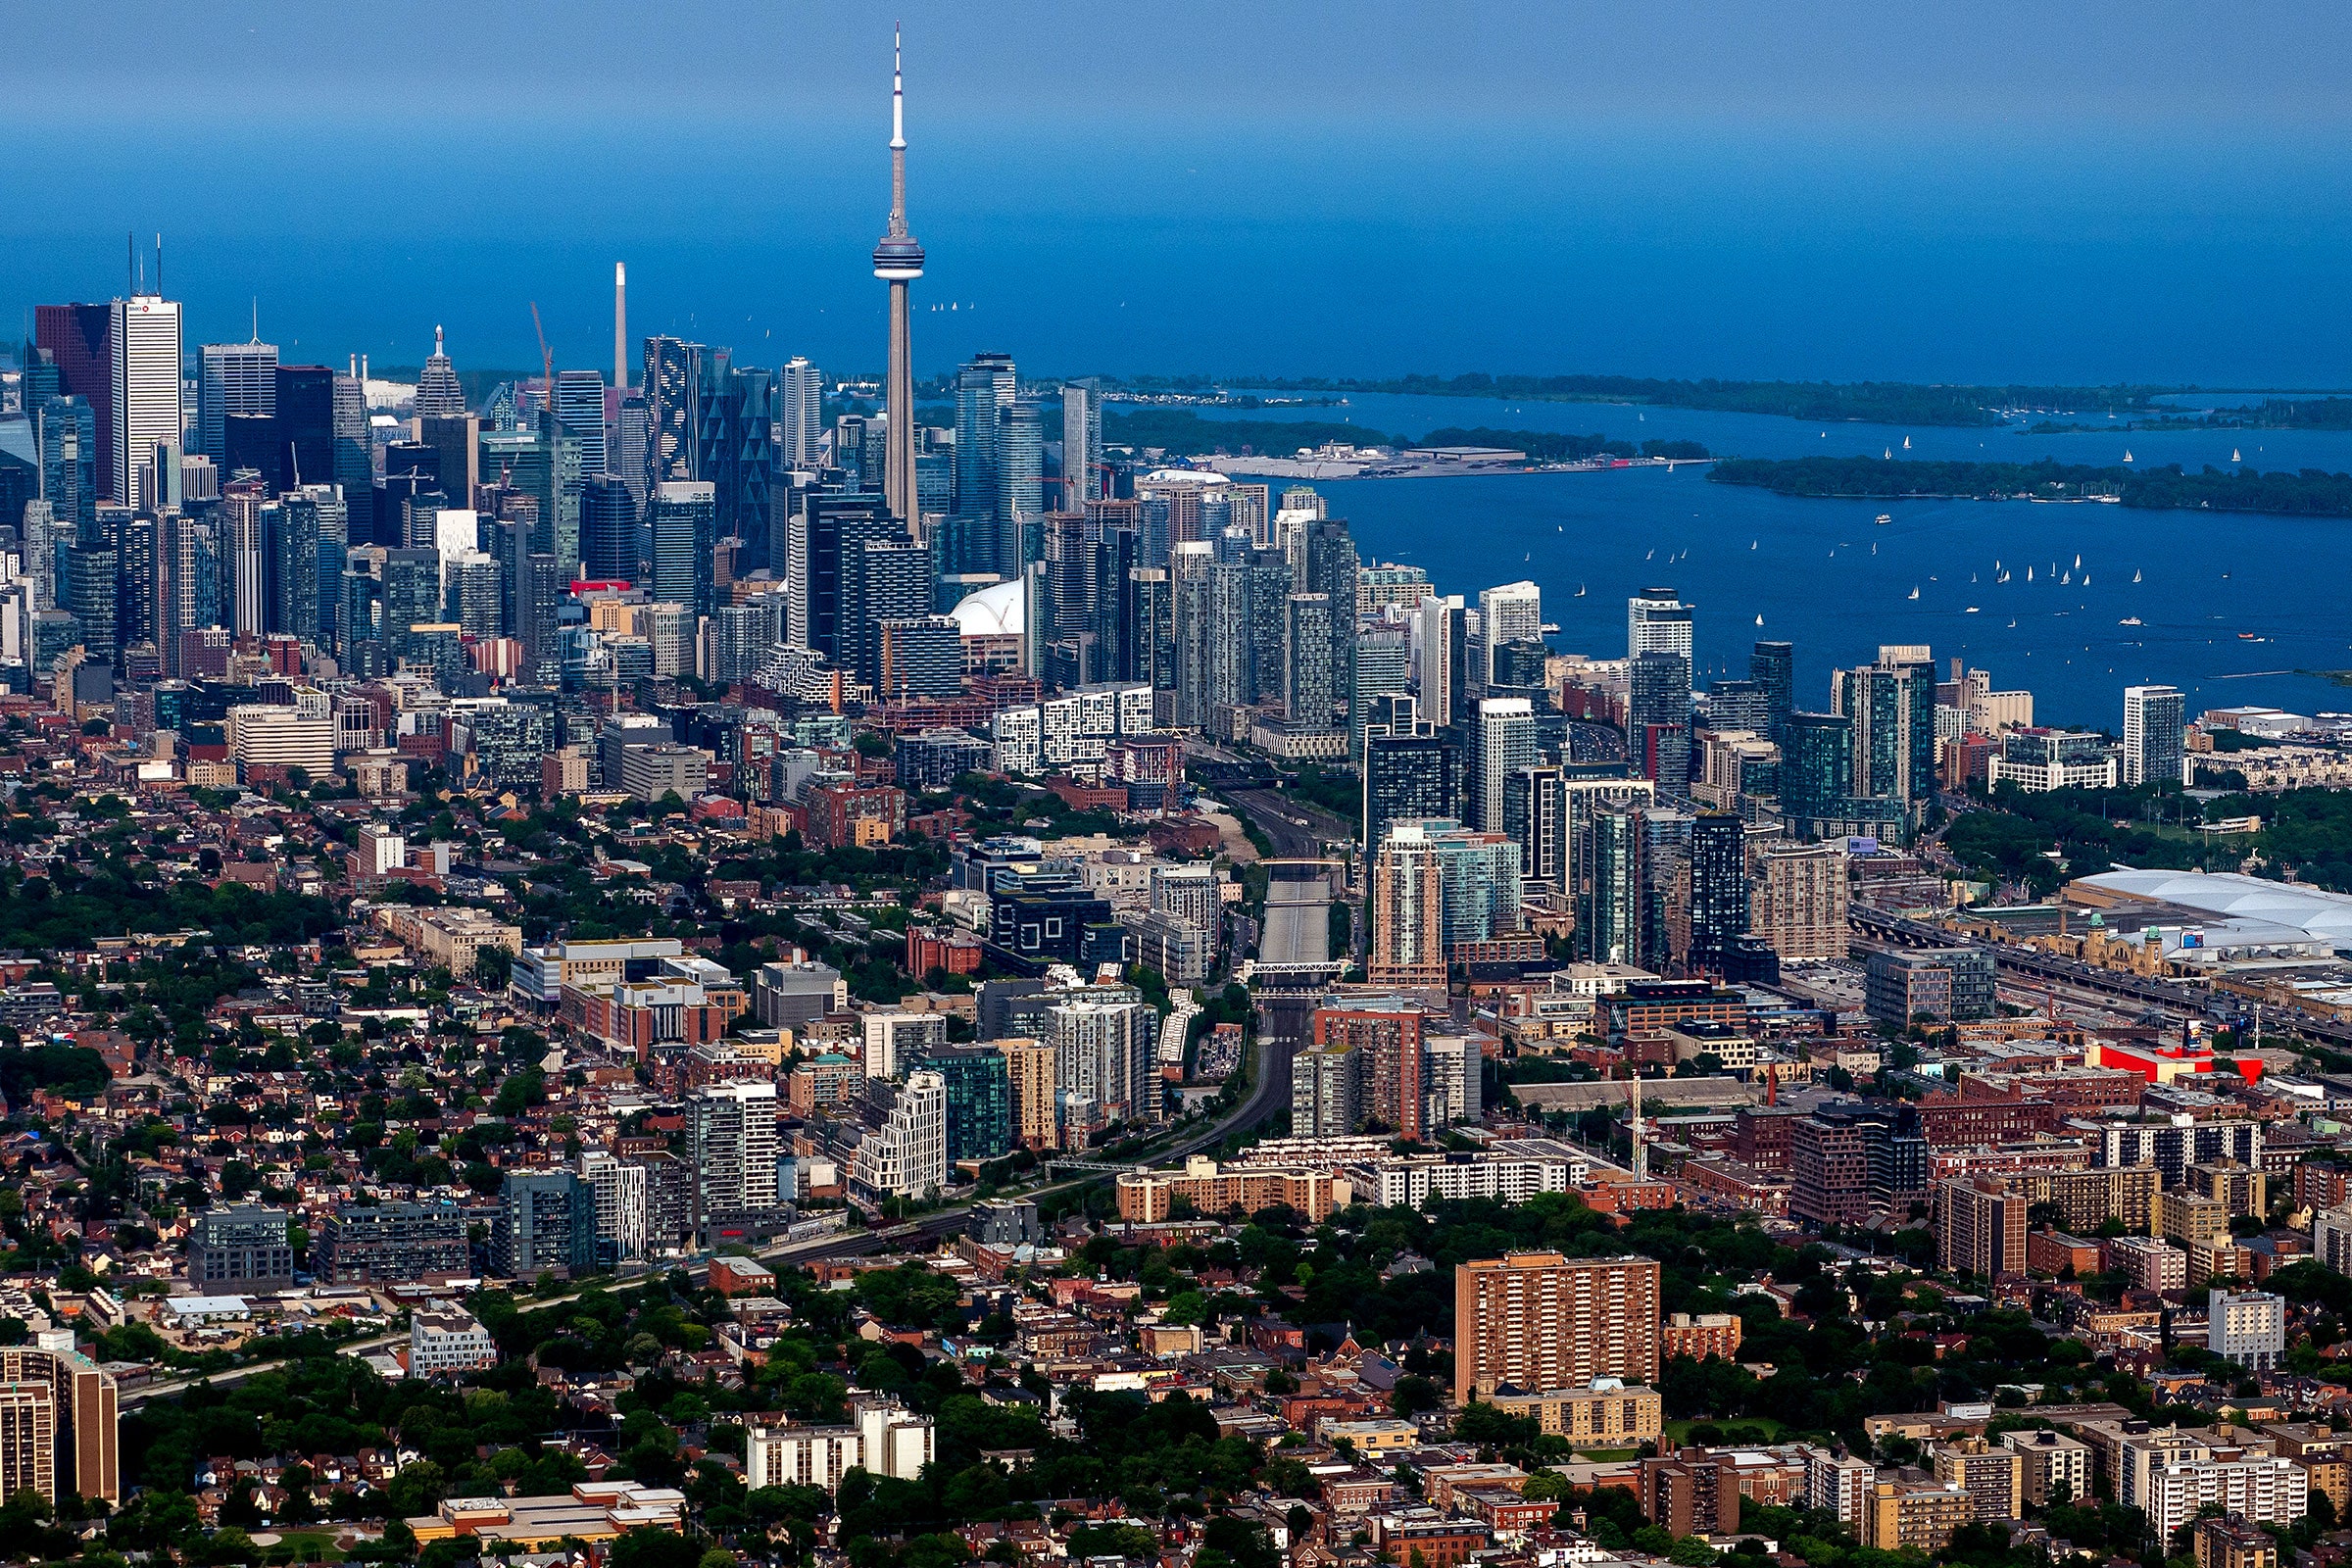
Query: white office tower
x=800 y=419
x=1510 y=614
x=621 y=1203
x=906 y=1156
x=1081 y=445
x=234 y=379
x=1658 y=623
x=150 y=418
x=580 y=405
x=2155 y=718
x=1438 y=653
x=734 y=1127
x=1105 y=1051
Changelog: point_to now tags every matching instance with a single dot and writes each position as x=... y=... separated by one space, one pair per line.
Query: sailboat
x=1970 y=610
x=2135 y=574
x=1972 y=576
x=1888 y=453
x=2013 y=626
x=1654 y=551
x=1759 y=620
x=1906 y=443
x=1874 y=547
x=2127 y=455
x=1752 y=543
x=2078 y=563
x=1580 y=591
x=2065 y=578
x=1915 y=591
x=2233 y=457
x=2003 y=577
x=2087 y=579
x=2029 y=574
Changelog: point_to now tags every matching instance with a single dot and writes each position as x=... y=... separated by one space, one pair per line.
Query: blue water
x=1809 y=568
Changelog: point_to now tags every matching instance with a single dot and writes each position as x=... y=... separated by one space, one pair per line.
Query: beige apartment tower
x=1540 y=1321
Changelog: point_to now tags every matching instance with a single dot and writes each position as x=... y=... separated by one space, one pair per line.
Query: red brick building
x=1955 y=1121
x=845 y=815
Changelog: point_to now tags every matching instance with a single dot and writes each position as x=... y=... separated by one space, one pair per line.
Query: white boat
x=2127 y=455
x=1970 y=610
x=2135 y=574
x=1652 y=553
x=2003 y=577
x=2129 y=620
x=2013 y=626
x=1884 y=519
x=2233 y=457
x=2065 y=578
x=1580 y=592
x=1752 y=543
x=1906 y=443
x=1915 y=591
x=2029 y=574
x=1889 y=454
x=1759 y=620
x=2087 y=579
x=1972 y=576
x=2078 y=563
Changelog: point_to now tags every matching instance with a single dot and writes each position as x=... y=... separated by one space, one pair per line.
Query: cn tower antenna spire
x=898 y=262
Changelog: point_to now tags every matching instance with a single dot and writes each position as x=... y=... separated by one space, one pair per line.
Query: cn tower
x=898 y=262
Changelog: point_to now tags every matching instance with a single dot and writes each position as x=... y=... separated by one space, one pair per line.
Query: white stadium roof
x=2230 y=895
x=992 y=611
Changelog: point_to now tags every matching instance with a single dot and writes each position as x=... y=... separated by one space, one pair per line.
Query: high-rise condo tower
x=898 y=262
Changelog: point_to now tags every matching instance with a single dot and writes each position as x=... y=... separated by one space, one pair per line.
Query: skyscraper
x=1655 y=621
x=76 y=337
x=2154 y=717
x=1817 y=767
x=1439 y=651
x=1657 y=717
x=1502 y=741
x=1512 y=613
x=611 y=542
x=801 y=413
x=1306 y=664
x=580 y=405
x=233 y=378
x=1330 y=568
x=673 y=379
x=733 y=1126
x=1718 y=902
x=681 y=530
x=438 y=395
x=306 y=423
x=983 y=386
x=1081 y=444
x=1772 y=668
x=1409 y=772
x=898 y=262
x=1021 y=479
x=143 y=340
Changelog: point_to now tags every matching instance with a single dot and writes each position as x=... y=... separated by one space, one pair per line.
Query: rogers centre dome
x=992 y=611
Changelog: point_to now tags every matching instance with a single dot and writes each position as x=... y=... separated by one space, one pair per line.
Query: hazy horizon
x=1820 y=192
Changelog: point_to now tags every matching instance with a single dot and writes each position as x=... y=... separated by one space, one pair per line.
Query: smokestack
x=621 y=326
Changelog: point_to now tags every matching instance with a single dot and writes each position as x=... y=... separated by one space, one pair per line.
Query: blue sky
x=2049 y=192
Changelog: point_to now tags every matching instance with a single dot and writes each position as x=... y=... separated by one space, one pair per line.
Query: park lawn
x=1678 y=1433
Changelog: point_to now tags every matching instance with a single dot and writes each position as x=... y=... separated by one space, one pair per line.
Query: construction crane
x=547 y=360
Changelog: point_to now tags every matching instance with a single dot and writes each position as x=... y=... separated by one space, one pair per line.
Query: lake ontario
x=1823 y=575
